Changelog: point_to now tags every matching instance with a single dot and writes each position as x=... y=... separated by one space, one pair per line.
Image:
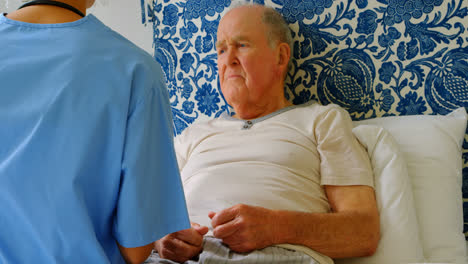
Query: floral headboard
x=374 y=58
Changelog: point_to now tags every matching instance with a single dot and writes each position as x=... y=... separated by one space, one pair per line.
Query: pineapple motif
x=348 y=86
x=446 y=87
x=347 y=80
x=457 y=86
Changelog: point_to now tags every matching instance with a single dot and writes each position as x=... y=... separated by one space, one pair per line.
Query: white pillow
x=400 y=242
x=432 y=148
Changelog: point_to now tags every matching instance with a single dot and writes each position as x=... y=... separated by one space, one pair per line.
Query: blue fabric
x=86 y=151
x=373 y=58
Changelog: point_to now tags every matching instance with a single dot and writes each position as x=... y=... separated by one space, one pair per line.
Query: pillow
x=399 y=242
x=431 y=146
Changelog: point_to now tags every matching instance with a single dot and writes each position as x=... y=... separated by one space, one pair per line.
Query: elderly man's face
x=247 y=64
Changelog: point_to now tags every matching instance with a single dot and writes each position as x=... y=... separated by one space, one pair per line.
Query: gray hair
x=278 y=31
x=278 y=28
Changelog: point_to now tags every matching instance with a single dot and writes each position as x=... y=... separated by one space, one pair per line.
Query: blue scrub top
x=86 y=145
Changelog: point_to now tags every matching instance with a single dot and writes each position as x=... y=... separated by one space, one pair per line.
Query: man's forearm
x=337 y=235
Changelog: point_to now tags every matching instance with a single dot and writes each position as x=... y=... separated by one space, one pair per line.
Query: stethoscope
x=53 y=3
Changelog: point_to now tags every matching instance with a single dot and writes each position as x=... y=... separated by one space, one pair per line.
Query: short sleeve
x=151 y=201
x=343 y=160
x=181 y=149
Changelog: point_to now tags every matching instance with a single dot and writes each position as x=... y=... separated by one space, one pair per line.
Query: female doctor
x=88 y=172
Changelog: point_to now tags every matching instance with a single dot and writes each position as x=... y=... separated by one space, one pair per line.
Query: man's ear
x=284 y=54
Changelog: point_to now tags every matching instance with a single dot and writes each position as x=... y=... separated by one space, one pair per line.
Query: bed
x=400 y=68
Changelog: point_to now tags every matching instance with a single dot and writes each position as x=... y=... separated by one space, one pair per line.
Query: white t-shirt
x=280 y=161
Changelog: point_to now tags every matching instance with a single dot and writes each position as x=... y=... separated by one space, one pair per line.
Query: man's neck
x=46 y=14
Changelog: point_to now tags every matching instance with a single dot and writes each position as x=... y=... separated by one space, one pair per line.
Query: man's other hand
x=244 y=228
x=182 y=245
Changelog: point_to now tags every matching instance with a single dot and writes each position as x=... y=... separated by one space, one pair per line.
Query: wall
x=124 y=16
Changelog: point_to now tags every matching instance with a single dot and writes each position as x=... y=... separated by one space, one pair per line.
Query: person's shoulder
x=314 y=111
x=314 y=106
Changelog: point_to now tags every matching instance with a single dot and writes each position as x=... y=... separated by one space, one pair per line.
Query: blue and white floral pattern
x=374 y=58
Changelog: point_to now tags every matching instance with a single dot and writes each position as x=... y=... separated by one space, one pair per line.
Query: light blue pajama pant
x=215 y=252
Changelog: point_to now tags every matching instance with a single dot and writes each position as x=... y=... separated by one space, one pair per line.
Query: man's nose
x=232 y=57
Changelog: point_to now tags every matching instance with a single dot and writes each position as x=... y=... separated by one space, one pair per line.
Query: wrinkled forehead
x=241 y=23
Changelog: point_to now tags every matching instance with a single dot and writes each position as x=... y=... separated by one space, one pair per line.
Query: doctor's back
x=86 y=151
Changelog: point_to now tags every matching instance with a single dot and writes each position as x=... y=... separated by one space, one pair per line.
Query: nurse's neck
x=46 y=14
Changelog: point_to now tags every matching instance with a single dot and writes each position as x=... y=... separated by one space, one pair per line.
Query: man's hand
x=244 y=228
x=183 y=245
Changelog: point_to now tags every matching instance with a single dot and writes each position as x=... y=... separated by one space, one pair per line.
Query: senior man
x=275 y=183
